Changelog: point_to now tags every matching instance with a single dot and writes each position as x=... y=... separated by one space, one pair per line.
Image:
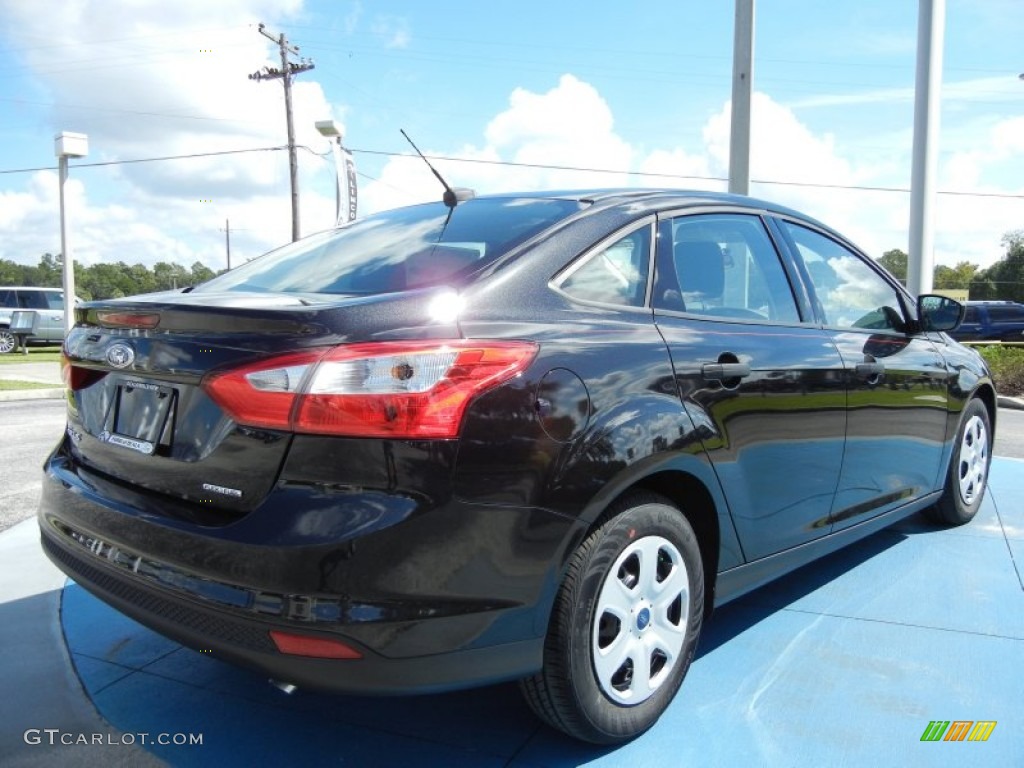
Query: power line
x=537 y=166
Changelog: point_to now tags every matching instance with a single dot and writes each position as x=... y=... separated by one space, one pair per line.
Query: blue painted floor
x=843 y=663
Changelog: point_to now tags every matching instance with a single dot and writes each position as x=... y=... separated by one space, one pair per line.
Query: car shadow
x=141 y=683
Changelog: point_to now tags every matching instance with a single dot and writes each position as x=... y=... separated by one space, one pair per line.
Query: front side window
x=850 y=293
x=722 y=265
x=614 y=273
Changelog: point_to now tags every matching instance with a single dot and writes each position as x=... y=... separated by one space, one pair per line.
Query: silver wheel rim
x=973 y=461
x=6 y=342
x=641 y=619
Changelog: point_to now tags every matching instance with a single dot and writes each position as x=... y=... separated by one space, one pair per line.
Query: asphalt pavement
x=846 y=662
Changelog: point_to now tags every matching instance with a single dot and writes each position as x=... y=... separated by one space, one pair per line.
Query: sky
x=507 y=96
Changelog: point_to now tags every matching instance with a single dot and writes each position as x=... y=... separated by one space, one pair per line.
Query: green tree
x=958 y=277
x=201 y=273
x=1004 y=279
x=895 y=261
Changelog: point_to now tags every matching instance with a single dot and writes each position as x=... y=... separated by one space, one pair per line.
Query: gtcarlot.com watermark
x=57 y=737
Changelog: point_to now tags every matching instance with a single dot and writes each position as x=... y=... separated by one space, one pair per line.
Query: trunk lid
x=137 y=411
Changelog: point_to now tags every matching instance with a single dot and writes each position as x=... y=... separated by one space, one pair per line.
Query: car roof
x=663 y=196
x=652 y=199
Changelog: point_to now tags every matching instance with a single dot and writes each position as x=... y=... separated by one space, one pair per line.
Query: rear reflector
x=409 y=389
x=317 y=647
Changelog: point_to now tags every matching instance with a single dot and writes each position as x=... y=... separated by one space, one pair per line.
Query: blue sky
x=528 y=90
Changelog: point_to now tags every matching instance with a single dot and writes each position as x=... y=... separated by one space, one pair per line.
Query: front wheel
x=7 y=341
x=968 y=469
x=625 y=625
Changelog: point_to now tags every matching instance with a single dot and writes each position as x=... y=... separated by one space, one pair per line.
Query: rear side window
x=8 y=299
x=1006 y=314
x=397 y=250
x=614 y=273
x=32 y=300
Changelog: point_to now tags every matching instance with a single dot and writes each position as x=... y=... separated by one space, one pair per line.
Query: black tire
x=581 y=689
x=967 y=477
x=8 y=343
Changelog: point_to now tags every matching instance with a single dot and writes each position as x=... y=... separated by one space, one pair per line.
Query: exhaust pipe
x=288 y=688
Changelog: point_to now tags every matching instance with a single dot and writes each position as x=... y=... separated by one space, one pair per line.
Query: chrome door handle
x=868 y=370
x=719 y=371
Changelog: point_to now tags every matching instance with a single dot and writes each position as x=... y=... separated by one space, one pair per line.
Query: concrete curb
x=31 y=394
x=1016 y=403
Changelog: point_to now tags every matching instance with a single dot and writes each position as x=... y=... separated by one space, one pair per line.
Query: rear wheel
x=7 y=341
x=968 y=469
x=625 y=625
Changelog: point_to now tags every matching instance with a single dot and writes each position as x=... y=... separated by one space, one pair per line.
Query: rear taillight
x=411 y=389
x=75 y=377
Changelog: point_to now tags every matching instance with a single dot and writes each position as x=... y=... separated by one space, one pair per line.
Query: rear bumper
x=450 y=598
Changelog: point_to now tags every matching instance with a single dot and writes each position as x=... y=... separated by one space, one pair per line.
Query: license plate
x=142 y=414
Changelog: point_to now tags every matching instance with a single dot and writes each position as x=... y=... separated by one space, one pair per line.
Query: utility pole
x=285 y=73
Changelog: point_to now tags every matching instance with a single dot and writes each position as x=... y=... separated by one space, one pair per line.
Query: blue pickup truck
x=991 y=321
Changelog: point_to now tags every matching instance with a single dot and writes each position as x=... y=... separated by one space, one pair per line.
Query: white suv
x=48 y=304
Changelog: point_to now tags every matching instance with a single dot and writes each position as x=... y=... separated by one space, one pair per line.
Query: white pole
x=931 y=22
x=65 y=250
x=742 y=87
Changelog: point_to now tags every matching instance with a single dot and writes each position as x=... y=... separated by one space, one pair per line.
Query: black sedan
x=533 y=437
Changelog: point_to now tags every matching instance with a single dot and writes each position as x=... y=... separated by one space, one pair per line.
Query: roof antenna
x=451 y=197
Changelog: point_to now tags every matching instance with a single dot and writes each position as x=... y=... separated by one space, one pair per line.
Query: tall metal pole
x=227 y=240
x=66 y=258
x=742 y=88
x=65 y=145
x=931 y=23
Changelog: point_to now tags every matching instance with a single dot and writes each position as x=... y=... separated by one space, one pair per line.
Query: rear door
x=764 y=385
x=897 y=382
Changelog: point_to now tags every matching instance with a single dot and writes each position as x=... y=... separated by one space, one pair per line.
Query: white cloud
x=173 y=79
x=158 y=81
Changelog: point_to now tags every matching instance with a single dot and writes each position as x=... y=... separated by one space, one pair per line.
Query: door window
x=724 y=265
x=849 y=292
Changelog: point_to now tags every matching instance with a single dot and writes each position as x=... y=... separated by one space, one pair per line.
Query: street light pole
x=344 y=173
x=67 y=145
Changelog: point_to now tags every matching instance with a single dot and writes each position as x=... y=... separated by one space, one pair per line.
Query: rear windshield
x=396 y=250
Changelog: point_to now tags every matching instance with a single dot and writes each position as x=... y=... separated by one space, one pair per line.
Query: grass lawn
x=35 y=355
x=9 y=384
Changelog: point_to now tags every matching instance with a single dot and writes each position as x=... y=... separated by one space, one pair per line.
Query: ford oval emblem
x=120 y=355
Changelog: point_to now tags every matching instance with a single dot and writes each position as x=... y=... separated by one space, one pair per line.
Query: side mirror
x=939 y=313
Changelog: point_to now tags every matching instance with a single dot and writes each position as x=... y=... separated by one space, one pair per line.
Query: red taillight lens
x=76 y=377
x=413 y=389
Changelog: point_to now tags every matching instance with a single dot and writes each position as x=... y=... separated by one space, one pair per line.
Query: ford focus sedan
x=530 y=437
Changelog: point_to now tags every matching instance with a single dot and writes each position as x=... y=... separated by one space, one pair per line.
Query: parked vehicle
x=991 y=321
x=532 y=437
x=48 y=303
